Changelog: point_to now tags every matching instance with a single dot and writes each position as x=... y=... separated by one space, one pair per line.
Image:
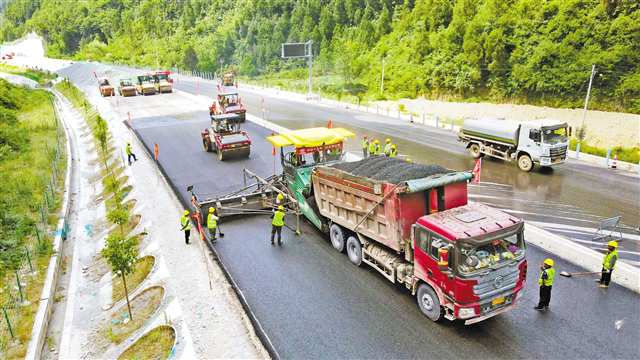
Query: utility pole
x=382 y=78
x=310 y=57
x=586 y=100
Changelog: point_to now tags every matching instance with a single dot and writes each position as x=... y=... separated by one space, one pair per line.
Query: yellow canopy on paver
x=311 y=137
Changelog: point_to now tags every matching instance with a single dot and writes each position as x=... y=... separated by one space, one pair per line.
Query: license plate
x=497 y=301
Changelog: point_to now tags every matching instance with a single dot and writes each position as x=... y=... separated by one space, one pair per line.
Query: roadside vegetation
x=41 y=77
x=519 y=51
x=156 y=344
x=32 y=163
x=627 y=154
x=144 y=305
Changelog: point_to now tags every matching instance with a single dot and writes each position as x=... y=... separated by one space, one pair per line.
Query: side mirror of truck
x=570 y=131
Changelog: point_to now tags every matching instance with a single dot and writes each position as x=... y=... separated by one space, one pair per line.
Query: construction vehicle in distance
x=105 y=87
x=228 y=79
x=126 y=88
x=162 y=81
x=225 y=137
x=410 y=222
x=145 y=85
x=541 y=142
x=227 y=101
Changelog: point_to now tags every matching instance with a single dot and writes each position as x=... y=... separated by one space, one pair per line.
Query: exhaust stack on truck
x=539 y=142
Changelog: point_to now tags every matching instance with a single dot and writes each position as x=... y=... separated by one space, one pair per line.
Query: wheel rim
x=525 y=163
x=475 y=150
x=337 y=240
x=427 y=302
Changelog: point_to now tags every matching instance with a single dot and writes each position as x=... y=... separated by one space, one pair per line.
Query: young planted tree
x=122 y=255
x=119 y=215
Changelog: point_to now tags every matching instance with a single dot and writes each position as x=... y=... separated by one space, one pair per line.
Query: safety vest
x=127 y=149
x=551 y=272
x=372 y=148
x=608 y=257
x=378 y=149
x=387 y=149
x=184 y=221
x=212 y=221
x=278 y=218
x=365 y=143
x=393 y=152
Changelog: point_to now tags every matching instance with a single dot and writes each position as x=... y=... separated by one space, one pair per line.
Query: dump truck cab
x=145 y=85
x=163 y=83
x=300 y=152
x=473 y=257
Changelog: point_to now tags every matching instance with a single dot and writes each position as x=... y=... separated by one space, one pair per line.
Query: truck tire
x=474 y=150
x=207 y=145
x=337 y=237
x=354 y=250
x=428 y=302
x=525 y=163
x=220 y=155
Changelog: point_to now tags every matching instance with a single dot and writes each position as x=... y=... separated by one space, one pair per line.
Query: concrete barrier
x=41 y=320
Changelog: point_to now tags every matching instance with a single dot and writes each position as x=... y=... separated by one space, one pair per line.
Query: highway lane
x=314 y=304
x=569 y=200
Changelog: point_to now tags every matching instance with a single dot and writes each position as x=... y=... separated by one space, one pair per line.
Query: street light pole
x=586 y=100
x=310 y=58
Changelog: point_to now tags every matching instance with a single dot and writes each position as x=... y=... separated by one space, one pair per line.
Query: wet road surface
x=313 y=303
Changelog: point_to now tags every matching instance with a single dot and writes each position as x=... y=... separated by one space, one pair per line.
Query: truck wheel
x=207 y=145
x=525 y=163
x=337 y=237
x=428 y=302
x=354 y=250
x=220 y=155
x=474 y=150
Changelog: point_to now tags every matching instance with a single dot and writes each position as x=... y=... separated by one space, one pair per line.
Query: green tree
x=122 y=255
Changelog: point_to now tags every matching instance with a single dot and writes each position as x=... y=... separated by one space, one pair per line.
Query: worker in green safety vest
x=186 y=225
x=277 y=223
x=609 y=263
x=378 y=149
x=372 y=148
x=365 y=147
x=393 y=152
x=130 y=154
x=545 y=281
x=387 y=147
x=212 y=223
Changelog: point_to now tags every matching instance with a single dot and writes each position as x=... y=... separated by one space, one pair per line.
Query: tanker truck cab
x=540 y=142
x=469 y=263
x=545 y=141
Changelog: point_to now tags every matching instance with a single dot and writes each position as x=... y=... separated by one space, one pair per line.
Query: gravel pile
x=392 y=170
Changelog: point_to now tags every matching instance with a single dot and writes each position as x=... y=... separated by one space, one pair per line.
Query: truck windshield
x=554 y=136
x=492 y=254
x=162 y=76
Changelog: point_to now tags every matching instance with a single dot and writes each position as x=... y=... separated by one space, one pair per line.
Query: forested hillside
x=538 y=51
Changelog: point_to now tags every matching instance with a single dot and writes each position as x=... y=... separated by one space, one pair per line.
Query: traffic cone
x=614 y=163
x=330 y=124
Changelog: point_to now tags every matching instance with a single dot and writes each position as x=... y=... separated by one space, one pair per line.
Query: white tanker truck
x=541 y=142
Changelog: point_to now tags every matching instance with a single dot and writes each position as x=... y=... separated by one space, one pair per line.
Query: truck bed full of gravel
x=392 y=170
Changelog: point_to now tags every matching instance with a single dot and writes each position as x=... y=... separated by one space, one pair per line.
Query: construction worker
x=372 y=148
x=365 y=147
x=277 y=223
x=378 y=148
x=387 y=147
x=186 y=225
x=545 y=281
x=130 y=154
x=394 y=151
x=609 y=263
x=212 y=223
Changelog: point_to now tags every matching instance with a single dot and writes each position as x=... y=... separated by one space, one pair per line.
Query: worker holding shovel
x=276 y=224
x=609 y=263
x=545 y=281
x=212 y=224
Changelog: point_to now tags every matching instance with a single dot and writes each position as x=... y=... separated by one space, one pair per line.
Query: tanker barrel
x=492 y=129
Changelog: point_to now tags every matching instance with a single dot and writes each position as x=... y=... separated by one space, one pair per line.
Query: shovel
x=568 y=274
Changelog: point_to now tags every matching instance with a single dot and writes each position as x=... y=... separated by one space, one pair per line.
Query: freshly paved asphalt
x=314 y=304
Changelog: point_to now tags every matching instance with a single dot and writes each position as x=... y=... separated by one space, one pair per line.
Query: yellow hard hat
x=393 y=146
x=613 y=244
x=377 y=141
x=548 y=262
x=280 y=207
x=212 y=209
x=186 y=212
x=388 y=140
x=279 y=197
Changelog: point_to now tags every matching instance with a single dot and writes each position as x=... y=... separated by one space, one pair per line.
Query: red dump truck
x=413 y=224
